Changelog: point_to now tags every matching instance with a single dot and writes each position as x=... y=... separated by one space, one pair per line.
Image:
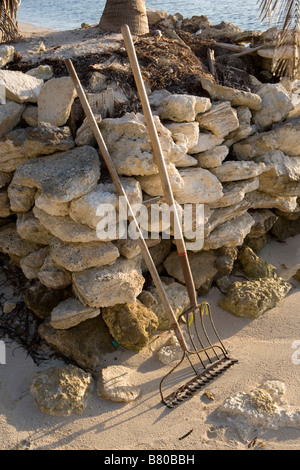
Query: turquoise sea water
x=69 y=14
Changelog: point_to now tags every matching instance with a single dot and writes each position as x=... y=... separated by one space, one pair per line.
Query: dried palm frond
x=286 y=15
x=8 y=19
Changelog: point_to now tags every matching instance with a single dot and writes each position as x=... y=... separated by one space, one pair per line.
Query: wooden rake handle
x=121 y=192
x=160 y=161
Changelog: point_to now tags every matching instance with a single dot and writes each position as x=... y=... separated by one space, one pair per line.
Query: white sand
x=262 y=346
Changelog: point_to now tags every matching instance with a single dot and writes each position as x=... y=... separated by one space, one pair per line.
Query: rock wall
x=235 y=152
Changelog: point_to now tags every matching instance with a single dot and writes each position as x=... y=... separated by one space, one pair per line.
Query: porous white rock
x=234 y=192
x=30 y=228
x=199 y=187
x=213 y=157
x=54 y=276
x=117 y=383
x=152 y=184
x=189 y=129
x=55 y=100
x=20 y=87
x=32 y=263
x=221 y=119
x=183 y=108
x=235 y=171
x=231 y=233
x=206 y=141
x=107 y=286
x=71 y=312
x=276 y=105
x=10 y=115
x=7 y=53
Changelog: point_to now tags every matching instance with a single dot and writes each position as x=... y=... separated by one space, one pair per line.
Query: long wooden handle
x=116 y=180
x=160 y=161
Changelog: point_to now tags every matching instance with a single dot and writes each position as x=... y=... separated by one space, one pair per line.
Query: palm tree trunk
x=8 y=19
x=119 y=12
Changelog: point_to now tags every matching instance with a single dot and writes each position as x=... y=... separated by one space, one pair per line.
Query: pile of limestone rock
x=235 y=152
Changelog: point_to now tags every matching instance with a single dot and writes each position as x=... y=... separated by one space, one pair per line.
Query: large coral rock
x=276 y=105
x=254 y=266
x=12 y=244
x=178 y=298
x=128 y=142
x=46 y=139
x=235 y=171
x=10 y=115
x=234 y=192
x=76 y=257
x=250 y=299
x=21 y=87
x=130 y=324
x=62 y=176
x=60 y=391
x=282 y=175
x=54 y=276
x=86 y=343
x=183 y=108
x=55 y=101
x=71 y=312
x=202 y=265
x=235 y=97
x=231 y=233
x=213 y=157
x=200 y=187
x=189 y=129
x=106 y=286
x=221 y=119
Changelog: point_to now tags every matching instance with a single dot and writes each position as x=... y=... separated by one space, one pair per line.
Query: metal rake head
x=206 y=355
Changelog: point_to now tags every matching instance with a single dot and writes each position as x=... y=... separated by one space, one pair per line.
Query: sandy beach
x=264 y=348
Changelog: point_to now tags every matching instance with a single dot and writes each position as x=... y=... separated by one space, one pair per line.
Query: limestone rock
x=284 y=228
x=178 y=298
x=213 y=157
x=10 y=115
x=235 y=97
x=5 y=210
x=183 y=108
x=61 y=176
x=76 y=257
x=244 y=114
x=232 y=233
x=117 y=383
x=223 y=214
x=20 y=87
x=29 y=228
x=32 y=263
x=130 y=324
x=242 y=132
x=199 y=187
x=221 y=119
x=226 y=258
x=158 y=253
x=129 y=145
x=282 y=175
x=202 y=266
x=97 y=82
x=5 y=178
x=65 y=228
x=235 y=171
x=128 y=248
x=6 y=54
x=30 y=115
x=85 y=135
x=254 y=266
x=10 y=150
x=44 y=72
x=261 y=200
x=189 y=129
x=154 y=15
x=264 y=221
x=206 y=141
x=55 y=101
x=172 y=351
x=42 y=300
x=152 y=184
x=60 y=391
x=186 y=161
x=234 y=192
x=72 y=343
x=250 y=299
x=284 y=137
x=262 y=408
x=106 y=286
x=42 y=202
x=70 y=313
x=54 y=276
x=46 y=139
x=276 y=105
x=12 y=244
x=85 y=209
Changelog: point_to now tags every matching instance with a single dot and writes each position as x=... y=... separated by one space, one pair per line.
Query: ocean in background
x=70 y=14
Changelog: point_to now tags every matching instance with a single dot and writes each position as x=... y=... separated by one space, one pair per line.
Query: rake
x=207 y=359
x=223 y=361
